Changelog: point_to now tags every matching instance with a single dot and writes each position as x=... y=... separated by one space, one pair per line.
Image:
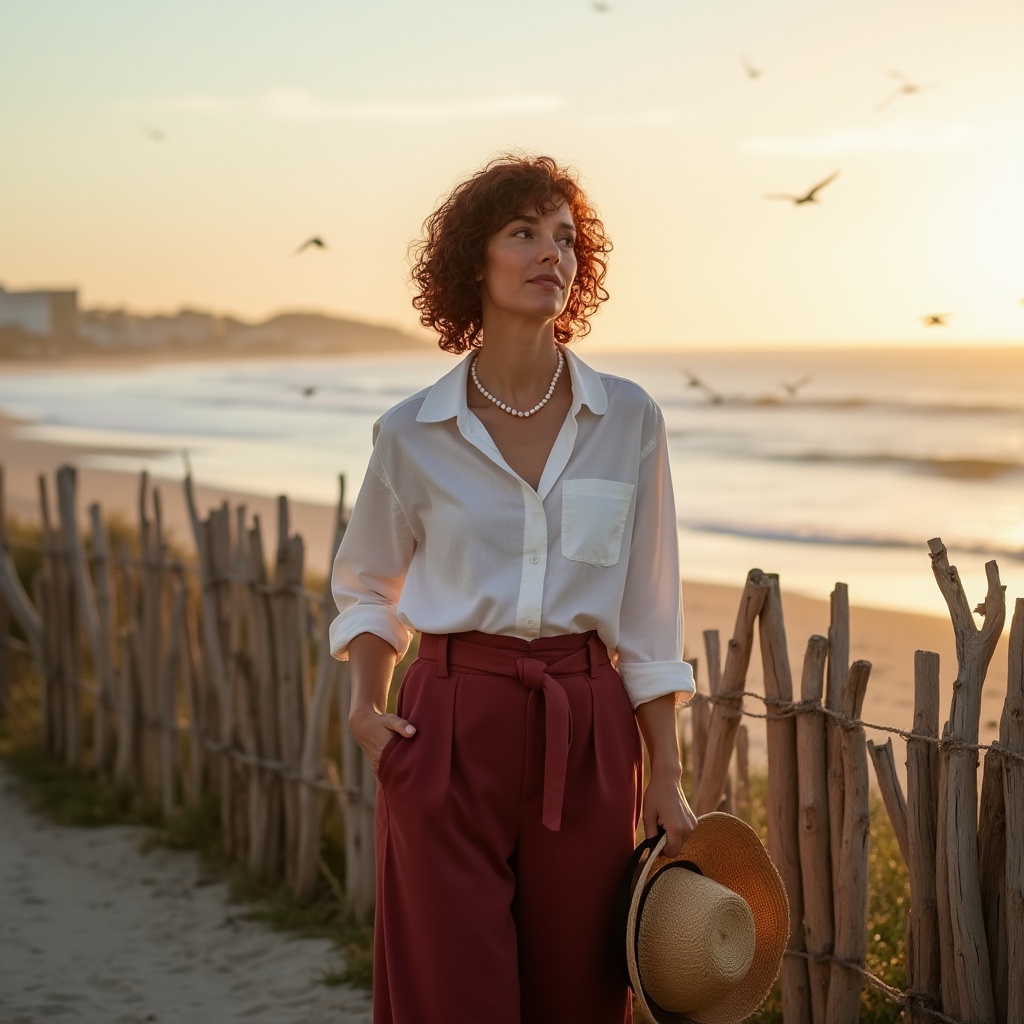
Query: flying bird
x=906 y=88
x=155 y=134
x=936 y=319
x=808 y=197
x=601 y=7
x=792 y=387
x=316 y=241
x=751 y=70
x=693 y=381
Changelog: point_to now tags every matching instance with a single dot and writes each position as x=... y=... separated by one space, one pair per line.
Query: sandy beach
x=94 y=930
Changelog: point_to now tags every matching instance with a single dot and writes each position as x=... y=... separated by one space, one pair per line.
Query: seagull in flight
x=316 y=241
x=809 y=197
x=905 y=88
x=936 y=319
x=693 y=381
x=792 y=387
x=751 y=70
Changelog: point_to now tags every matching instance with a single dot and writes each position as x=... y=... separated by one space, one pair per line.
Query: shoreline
x=125 y=359
x=888 y=639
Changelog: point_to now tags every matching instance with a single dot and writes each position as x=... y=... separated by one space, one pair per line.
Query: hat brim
x=730 y=852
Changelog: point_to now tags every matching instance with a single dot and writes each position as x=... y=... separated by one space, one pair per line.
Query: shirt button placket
x=534 y=564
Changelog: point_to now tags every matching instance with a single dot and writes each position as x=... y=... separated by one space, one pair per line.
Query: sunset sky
x=168 y=155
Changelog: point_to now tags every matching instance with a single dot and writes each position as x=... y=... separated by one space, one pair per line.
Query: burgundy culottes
x=502 y=830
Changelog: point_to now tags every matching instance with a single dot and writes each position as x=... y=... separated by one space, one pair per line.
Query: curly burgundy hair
x=456 y=234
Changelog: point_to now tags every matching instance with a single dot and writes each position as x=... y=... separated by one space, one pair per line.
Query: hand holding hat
x=706 y=929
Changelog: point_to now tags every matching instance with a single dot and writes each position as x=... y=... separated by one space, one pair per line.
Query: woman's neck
x=516 y=357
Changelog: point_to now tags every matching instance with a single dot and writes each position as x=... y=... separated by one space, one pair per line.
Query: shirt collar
x=446 y=399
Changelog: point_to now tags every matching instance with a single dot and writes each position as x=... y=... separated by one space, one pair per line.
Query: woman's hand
x=665 y=808
x=372 y=731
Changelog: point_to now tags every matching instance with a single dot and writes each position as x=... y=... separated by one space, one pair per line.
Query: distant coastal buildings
x=41 y=313
x=48 y=322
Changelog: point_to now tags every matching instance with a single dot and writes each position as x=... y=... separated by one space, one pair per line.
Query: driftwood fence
x=215 y=679
x=206 y=678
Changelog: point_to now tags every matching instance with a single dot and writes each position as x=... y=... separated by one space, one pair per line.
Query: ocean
x=823 y=466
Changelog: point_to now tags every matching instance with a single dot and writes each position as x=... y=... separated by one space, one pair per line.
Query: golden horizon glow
x=160 y=159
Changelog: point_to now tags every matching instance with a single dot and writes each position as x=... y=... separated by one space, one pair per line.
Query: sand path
x=93 y=930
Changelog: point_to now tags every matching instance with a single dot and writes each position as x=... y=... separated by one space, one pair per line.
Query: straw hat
x=706 y=929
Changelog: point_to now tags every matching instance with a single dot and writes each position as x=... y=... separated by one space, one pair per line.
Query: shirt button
x=531 y=622
x=535 y=559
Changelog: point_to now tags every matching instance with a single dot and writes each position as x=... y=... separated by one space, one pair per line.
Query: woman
x=519 y=513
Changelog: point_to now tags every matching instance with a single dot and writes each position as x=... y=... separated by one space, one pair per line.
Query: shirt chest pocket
x=594 y=514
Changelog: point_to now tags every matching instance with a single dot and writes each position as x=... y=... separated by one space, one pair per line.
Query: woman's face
x=529 y=265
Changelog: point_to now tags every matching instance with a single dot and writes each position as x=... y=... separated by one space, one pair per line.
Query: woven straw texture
x=729 y=852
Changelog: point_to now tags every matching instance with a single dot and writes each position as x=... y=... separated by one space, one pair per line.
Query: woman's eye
x=522 y=231
x=567 y=240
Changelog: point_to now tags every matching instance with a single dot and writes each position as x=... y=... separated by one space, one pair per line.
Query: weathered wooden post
x=14 y=595
x=974 y=649
x=992 y=863
x=127 y=760
x=102 y=571
x=844 y=987
x=6 y=668
x=252 y=675
x=151 y=633
x=88 y=608
x=884 y=761
x=212 y=537
x=724 y=717
x=783 y=811
x=923 y=962
x=815 y=857
x=62 y=625
x=289 y=631
x=193 y=777
x=245 y=777
x=838 y=670
x=1013 y=782
x=314 y=742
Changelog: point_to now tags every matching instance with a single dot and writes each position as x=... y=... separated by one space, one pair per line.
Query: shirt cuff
x=646 y=680
x=374 y=619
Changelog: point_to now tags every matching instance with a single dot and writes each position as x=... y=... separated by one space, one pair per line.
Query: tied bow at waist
x=537 y=664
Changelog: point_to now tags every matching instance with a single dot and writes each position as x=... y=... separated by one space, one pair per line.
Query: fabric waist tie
x=537 y=664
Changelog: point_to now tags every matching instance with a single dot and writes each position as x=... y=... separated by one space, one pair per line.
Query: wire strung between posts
x=912 y=997
x=183 y=726
x=790 y=709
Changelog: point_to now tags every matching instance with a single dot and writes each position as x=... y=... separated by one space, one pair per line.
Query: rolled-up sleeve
x=371 y=565
x=651 y=620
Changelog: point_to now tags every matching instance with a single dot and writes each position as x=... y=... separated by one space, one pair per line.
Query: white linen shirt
x=446 y=537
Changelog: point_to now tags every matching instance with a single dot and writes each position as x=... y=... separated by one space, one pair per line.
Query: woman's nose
x=550 y=251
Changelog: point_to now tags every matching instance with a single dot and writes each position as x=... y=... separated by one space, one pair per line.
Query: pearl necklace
x=508 y=408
